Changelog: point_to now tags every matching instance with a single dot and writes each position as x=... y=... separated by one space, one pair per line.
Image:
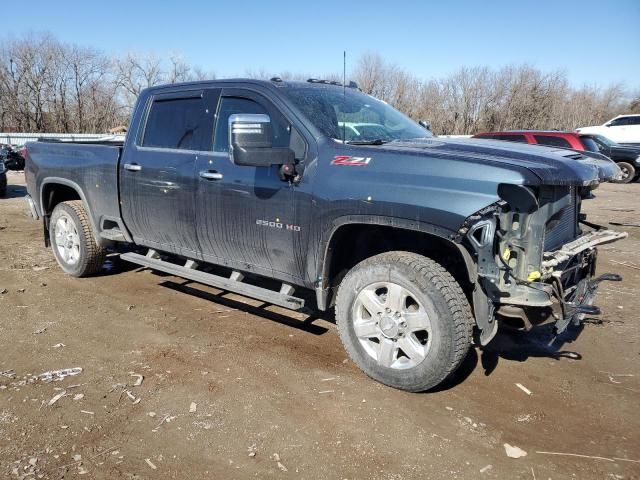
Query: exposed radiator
x=563 y=227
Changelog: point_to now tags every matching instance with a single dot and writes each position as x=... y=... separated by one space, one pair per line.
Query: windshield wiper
x=377 y=141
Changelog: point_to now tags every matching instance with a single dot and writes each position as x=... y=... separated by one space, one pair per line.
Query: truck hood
x=551 y=166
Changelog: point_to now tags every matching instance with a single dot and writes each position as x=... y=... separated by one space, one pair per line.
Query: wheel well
x=52 y=195
x=351 y=244
x=55 y=193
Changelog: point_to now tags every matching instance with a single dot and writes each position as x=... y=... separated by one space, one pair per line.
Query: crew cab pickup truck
x=416 y=242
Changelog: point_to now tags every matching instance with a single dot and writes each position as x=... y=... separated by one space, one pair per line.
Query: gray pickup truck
x=416 y=241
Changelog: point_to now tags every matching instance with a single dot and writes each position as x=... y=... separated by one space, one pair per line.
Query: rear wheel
x=72 y=240
x=404 y=320
x=628 y=172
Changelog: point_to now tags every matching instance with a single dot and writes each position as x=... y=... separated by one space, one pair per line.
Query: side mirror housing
x=250 y=142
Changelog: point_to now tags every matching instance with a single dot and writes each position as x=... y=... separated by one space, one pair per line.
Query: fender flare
x=68 y=183
x=322 y=265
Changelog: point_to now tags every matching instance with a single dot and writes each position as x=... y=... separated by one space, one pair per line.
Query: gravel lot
x=231 y=389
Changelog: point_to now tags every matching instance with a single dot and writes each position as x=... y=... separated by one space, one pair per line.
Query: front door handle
x=132 y=167
x=211 y=175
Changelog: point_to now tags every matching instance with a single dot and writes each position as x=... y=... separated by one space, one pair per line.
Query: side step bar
x=233 y=284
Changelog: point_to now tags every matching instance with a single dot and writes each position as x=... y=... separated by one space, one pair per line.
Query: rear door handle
x=132 y=167
x=211 y=175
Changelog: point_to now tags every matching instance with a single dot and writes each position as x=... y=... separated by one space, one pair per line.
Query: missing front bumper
x=564 y=254
x=579 y=304
x=565 y=292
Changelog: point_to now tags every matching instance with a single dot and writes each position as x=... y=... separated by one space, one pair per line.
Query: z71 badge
x=350 y=161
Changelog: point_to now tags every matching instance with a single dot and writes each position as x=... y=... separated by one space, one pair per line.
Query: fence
x=22 y=138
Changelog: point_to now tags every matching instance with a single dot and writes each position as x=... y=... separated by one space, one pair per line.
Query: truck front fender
x=328 y=246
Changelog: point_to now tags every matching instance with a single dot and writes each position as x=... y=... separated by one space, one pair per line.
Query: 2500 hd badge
x=278 y=224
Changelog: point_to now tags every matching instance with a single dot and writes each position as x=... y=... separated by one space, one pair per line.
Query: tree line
x=50 y=86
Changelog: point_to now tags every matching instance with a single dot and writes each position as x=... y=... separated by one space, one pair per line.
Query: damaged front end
x=536 y=258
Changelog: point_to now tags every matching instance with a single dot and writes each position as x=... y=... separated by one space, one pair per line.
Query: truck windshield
x=353 y=116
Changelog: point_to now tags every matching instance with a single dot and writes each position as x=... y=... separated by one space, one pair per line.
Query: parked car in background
x=626 y=157
x=3 y=180
x=12 y=159
x=623 y=129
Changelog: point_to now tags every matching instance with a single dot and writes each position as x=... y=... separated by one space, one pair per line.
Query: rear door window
x=514 y=138
x=178 y=123
x=618 y=122
x=552 y=141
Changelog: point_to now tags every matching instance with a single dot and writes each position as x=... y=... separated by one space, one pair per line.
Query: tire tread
x=445 y=284
x=95 y=254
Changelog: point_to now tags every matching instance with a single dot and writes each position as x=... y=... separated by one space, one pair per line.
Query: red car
x=628 y=159
x=540 y=137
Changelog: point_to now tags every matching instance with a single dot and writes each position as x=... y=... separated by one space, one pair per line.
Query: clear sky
x=594 y=42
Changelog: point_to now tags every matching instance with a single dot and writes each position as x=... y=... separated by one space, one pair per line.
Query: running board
x=229 y=284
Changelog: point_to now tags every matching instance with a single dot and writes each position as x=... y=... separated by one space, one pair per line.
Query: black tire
x=90 y=256
x=3 y=192
x=628 y=171
x=441 y=298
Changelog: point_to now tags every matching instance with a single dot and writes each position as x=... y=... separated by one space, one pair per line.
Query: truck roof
x=273 y=82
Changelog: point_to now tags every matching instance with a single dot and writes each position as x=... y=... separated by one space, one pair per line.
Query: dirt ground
x=232 y=389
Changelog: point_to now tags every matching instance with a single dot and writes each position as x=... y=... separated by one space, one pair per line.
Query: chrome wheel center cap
x=389 y=327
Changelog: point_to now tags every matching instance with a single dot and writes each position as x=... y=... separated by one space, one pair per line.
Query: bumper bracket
x=581 y=302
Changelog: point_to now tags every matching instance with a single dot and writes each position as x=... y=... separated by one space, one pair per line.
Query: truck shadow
x=507 y=345
x=305 y=325
x=514 y=346
x=519 y=346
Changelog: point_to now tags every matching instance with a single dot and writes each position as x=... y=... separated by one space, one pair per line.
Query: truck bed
x=89 y=168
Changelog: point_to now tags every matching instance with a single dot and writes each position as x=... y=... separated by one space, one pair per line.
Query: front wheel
x=72 y=240
x=404 y=320
x=628 y=172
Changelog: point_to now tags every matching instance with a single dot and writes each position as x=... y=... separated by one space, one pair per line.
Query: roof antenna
x=344 y=92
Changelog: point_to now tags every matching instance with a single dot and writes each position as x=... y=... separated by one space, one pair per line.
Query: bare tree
x=46 y=85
